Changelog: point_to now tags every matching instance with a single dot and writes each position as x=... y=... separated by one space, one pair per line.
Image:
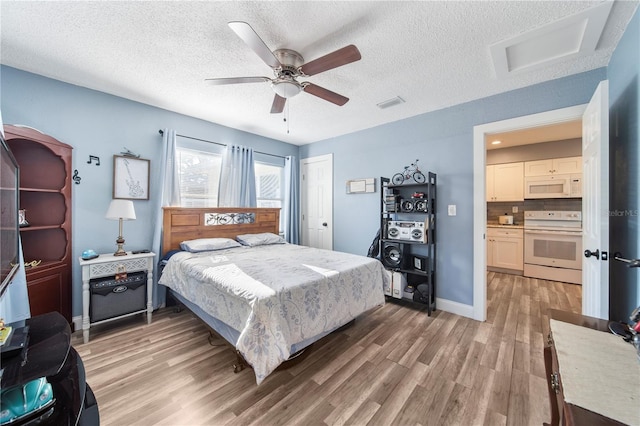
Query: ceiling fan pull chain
x=286 y=119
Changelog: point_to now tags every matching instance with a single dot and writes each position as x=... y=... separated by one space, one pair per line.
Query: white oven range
x=553 y=245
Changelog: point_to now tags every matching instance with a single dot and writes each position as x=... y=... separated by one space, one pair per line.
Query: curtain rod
x=221 y=144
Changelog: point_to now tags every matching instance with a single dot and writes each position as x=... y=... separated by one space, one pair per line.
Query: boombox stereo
x=406 y=231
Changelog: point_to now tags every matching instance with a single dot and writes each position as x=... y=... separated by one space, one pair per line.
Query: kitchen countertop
x=497 y=225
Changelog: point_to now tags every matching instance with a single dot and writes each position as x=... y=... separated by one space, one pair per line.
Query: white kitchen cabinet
x=505 y=182
x=505 y=248
x=553 y=166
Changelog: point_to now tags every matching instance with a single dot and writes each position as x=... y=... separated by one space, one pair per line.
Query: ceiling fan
x=288 y=65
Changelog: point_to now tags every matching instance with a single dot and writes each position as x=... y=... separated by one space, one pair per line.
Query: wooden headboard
x=183 y=223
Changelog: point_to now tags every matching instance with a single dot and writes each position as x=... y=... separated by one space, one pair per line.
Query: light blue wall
x=443 y=141
x=95 y=123
x=624 y=179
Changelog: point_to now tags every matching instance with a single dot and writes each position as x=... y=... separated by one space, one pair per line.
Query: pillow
x=266 y=238
x=208 y=244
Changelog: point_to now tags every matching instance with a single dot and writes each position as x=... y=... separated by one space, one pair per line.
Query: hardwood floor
x=394 y=365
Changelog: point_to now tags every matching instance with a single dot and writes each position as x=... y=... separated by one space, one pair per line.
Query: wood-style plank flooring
x=394 y=365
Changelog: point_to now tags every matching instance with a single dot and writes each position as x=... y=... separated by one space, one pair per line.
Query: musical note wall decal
x=93 y=157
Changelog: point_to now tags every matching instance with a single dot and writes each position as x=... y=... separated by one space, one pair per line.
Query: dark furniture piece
x=563 y=413
x=48 y=353
x=45 y=194
x=403 y=248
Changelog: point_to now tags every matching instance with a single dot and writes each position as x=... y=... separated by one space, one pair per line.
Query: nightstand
x=107 y=265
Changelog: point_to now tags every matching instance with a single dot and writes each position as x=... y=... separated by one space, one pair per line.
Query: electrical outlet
x=514 y=209
x=451 y=209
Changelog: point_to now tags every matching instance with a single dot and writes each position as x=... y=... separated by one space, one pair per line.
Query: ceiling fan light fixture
x=286 y=88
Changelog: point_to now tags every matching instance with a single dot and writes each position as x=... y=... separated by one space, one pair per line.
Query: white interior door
x=595 y=204
x=317 y=201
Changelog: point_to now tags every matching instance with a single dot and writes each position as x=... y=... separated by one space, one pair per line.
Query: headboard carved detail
x=214 y=219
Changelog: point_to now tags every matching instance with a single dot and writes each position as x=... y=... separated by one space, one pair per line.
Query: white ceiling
x=431 y=54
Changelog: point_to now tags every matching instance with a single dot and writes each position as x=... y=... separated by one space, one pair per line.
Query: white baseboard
x=454 y=307
x=77 y=323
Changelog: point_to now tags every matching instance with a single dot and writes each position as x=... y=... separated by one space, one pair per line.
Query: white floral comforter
x=277 y=295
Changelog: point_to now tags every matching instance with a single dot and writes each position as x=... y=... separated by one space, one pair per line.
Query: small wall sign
x=357 y=186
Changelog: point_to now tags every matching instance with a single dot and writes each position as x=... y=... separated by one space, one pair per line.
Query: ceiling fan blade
x=251 y=38
x=236 y=80
x=278 y=104
x=340 y=57
x=325 y=94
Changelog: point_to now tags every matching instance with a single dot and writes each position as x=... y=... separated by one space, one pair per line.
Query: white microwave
x=553 y=186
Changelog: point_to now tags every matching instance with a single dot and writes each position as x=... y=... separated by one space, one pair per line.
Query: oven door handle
x=569 y=233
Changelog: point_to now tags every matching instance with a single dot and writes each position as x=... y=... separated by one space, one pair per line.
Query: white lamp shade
x=121 y=209
x=286 y=89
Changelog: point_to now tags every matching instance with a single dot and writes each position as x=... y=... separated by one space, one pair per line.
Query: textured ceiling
x=431 y=54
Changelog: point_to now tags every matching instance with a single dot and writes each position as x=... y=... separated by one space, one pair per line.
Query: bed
x=269 y=299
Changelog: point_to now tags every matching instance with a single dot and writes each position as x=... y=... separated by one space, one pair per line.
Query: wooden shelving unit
x=45 y=194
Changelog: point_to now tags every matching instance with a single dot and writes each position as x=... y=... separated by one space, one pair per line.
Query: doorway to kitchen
x=481 y=132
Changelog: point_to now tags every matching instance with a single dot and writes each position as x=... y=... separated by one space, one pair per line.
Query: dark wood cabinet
x=45 y=195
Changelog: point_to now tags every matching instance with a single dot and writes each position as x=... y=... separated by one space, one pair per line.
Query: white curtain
x=291 y=208
x=166 y=194
x=237 y=178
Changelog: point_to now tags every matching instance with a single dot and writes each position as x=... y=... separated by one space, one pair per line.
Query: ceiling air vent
x=390 y=102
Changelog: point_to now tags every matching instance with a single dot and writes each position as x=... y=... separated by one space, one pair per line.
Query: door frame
x=479 y=189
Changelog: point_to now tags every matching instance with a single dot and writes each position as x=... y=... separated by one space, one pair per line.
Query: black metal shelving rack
x=391 y=198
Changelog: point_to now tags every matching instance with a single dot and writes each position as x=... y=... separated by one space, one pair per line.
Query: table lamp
x=121 y=210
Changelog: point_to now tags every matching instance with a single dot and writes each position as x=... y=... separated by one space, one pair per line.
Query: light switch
x=451 y=209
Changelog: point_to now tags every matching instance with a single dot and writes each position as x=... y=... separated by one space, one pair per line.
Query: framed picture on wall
x=130 y=178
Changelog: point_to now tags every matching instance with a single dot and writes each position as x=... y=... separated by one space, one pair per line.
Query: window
x=269 y=185
x=199 y=175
